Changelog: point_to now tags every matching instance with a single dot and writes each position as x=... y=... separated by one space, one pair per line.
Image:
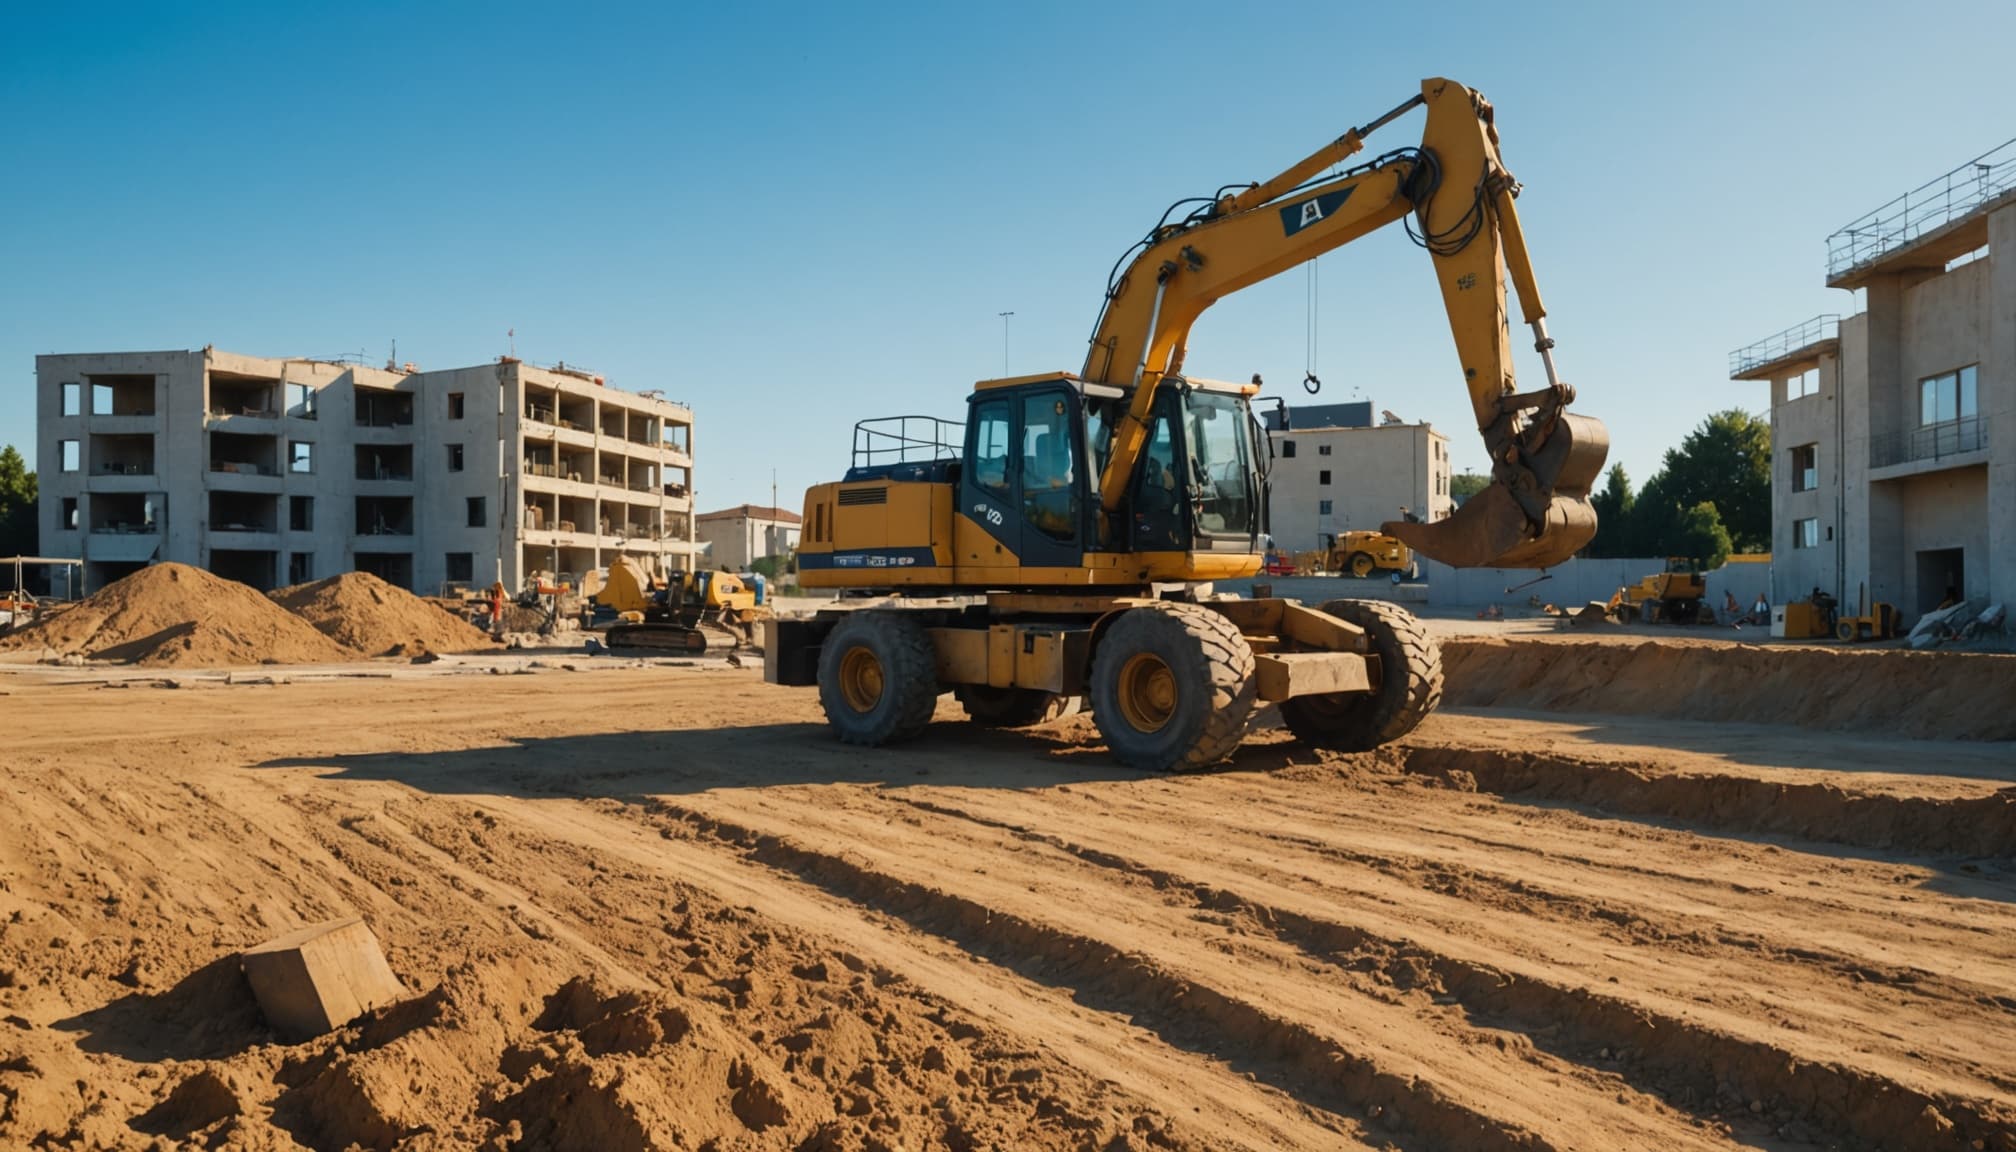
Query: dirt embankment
x=361 y=611
x=1923 y=695
x=173 y=614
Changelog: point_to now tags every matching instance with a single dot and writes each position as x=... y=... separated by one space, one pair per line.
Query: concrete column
x=1997 y=383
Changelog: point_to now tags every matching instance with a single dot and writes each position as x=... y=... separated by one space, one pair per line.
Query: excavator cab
x=1035 y=448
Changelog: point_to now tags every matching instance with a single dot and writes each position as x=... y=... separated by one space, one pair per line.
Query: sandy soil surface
x=658 y=908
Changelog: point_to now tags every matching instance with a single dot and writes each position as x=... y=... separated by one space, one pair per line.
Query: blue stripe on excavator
x=854 y=558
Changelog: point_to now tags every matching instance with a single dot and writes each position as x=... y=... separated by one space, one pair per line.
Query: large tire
x=1361 y=564
x=1410 y=684
x=878 y=678
x=1181 y=664
x=992 y=707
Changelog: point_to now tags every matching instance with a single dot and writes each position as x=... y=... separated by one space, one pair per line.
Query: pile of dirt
x=173 y=614
x=1922 y=695
x=361 y=611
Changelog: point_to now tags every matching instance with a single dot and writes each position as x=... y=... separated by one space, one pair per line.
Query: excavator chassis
x=1173 y=684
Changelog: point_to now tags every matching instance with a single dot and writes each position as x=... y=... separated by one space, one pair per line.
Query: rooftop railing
x=1926 y=208
x=1783 y=344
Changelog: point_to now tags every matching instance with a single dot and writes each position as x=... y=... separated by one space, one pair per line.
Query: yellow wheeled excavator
x=1063 y=541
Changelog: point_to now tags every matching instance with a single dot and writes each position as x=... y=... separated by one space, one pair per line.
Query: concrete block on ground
x=320 y=978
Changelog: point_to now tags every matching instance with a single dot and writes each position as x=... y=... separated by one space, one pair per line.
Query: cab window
x=989 y=449
x=1049 y=466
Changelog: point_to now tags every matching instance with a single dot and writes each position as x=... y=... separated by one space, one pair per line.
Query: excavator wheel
x=1172 y=687
x=878 y=678
x=1361 y=565
x=1410 y=684
x=1008 y=707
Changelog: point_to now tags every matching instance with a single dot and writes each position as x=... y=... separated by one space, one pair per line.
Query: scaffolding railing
x=1782 y=344
x=1926 y=208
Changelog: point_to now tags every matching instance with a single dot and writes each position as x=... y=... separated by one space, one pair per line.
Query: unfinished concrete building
x=1887 y=484
x=1336 y=471
x=276 y=471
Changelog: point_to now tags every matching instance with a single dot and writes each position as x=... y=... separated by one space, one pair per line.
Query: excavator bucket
x=1537 y=528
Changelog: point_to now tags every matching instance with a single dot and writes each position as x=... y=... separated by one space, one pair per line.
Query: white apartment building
x=1336 y=472
x=1886 y=483
x=276 y=471
x=736 y=536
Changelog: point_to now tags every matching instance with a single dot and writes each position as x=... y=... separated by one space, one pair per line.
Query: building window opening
x=1322 y=449
x=477 y=513
x=1805 y=467
x=1806 y=533
x=1807 y=383
x=1323 y=477
x=69 y=513
x=300 y=514
x=73 y=398
x=1323 y=507
x=454 y=457
x=300 y=456
x=454 y=405
x=72 y=459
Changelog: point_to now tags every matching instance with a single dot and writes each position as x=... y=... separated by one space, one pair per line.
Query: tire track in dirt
x=1826 y=813
x=1244 y=1113
x=1698 y=1067
x=1323 y=1052
x=1541 y=885
x=1862 y=897
x=1897 y=1027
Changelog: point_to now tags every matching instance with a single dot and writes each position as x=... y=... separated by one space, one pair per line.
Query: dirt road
x=658 y=908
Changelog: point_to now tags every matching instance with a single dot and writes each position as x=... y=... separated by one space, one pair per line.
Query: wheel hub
x=861 y=679
x=1147 y=692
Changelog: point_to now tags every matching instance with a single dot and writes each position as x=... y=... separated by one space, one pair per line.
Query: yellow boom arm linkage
x=1535 y=513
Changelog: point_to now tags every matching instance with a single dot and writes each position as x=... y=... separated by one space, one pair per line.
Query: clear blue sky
x=795 y=217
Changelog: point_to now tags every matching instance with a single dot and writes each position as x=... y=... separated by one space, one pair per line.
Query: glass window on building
x=1806 y=533
x=1805 y=467
x=1323 y=477
x=1948 y=397
x=1323 y=507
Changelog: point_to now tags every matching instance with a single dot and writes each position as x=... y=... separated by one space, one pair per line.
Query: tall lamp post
x=1004 y=340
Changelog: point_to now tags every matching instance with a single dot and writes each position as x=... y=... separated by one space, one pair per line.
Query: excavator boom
x=1455 y=187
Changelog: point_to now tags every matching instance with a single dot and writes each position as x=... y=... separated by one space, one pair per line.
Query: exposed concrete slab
x=320 y=978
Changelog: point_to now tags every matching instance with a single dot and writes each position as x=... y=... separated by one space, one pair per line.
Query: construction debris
x=320 y=978
x=1969 y=620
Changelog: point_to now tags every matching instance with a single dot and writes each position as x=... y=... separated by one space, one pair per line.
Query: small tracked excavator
x=1064 y=541
x=674 y=616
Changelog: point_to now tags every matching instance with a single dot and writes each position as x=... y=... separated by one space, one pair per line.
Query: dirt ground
x=659 y=908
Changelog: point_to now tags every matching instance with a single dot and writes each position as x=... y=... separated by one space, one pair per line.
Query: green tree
x=1726 y=462
x=1464 y=485
x=1614 y=505
x=19 y=531
x=1702 y=537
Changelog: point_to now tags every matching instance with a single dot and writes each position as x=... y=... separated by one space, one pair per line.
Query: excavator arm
x=1535 y=512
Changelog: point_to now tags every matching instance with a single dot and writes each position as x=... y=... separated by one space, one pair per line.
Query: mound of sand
x=360 y=611
x=1922 y=695
x=173 y=614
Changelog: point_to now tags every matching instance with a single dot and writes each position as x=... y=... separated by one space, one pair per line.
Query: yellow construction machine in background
x=640 y=611
x=1673 y=596
x=1362 y=554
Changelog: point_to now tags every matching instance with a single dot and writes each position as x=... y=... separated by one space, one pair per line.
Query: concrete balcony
x=1931 y=448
